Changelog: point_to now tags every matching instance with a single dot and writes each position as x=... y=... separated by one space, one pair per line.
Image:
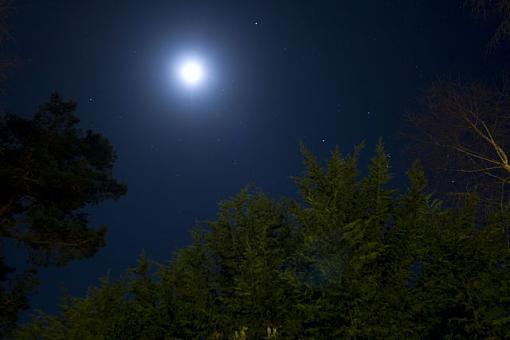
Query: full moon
x=191 y=72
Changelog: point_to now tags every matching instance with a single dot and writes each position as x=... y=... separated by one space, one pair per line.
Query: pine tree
x=351 y=259
x=49 y=171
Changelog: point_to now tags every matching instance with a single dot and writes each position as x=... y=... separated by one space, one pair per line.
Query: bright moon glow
x=192 y=72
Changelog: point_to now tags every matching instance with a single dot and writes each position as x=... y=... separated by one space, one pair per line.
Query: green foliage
x=49 y=170
x=353 y=259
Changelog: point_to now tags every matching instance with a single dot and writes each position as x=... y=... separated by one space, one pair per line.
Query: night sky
x=278 y=73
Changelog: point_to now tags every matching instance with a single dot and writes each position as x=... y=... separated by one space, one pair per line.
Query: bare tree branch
x=499 y=9
x=463 y=134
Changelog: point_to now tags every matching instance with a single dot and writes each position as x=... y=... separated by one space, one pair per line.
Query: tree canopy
x=50 y=171
x=351 y=258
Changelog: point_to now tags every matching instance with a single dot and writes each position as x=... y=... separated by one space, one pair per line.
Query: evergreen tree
x=351 y=259
x=49 y=171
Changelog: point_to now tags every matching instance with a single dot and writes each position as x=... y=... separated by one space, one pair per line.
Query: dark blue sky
x=281 y=72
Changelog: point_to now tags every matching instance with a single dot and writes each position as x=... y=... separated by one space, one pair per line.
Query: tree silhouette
x=464 y=134
x=49 y=171
x=5 y=7
x=494 y=8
